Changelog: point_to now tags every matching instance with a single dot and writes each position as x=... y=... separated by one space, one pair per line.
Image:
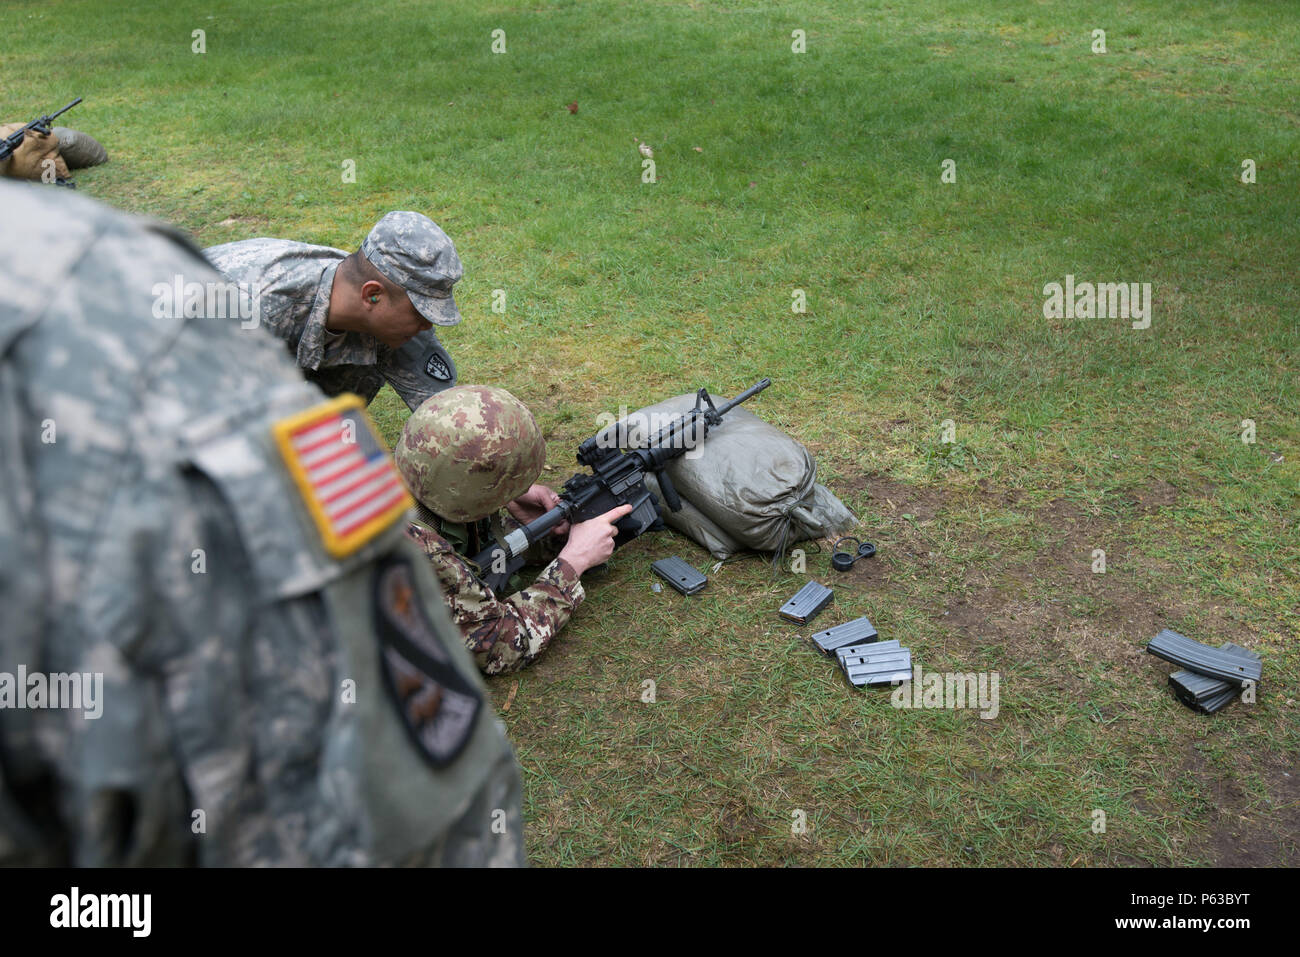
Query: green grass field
x=821 y=171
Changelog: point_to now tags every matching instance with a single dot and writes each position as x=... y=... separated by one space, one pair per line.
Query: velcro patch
x=437 y=704
x=343 y=472
x=437 y=368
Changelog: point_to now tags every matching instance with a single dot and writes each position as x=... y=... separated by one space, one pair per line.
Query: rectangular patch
x=343 y=471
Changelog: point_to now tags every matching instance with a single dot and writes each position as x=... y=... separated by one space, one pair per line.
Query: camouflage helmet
x=468 y=450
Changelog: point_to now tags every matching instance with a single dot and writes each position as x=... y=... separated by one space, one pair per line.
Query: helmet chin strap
x=476 y=532
x=427 y=515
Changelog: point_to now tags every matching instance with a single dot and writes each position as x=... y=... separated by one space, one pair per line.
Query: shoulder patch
x=437 y=368
x=437 y=704
x=343 y=472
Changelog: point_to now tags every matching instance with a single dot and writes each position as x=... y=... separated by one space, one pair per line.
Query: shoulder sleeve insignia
x=438 y=705
x=438 y=368
x=343 y=472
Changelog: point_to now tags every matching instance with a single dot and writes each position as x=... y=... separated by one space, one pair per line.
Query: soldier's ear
x=372 y=292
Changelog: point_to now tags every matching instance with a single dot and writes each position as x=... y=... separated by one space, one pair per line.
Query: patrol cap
x=413 y=252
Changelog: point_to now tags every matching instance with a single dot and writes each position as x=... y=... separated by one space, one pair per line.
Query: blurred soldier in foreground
x=219 y=647
x=353 y=321
x=464 y=454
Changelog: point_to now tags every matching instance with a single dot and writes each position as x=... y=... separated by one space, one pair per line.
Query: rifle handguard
x=517 y=542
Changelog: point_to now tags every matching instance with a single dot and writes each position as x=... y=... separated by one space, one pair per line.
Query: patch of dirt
x=1006 y=496
x=1238 y=834
x=738 y=823
x=1102 y=615
x=966 y=617
x=1150 y=498
x=1003 y=602
x=923 y=503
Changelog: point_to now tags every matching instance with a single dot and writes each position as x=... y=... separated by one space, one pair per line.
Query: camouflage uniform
x=502 y=634
x=464 y=454
x=296 y=280
x=263 y=701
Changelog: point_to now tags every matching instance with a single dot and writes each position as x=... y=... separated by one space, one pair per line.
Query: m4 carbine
x=617 y=478
x=39 y=125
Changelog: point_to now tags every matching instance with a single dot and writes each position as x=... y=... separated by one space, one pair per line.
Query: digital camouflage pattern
x=503 y=635
x=150 y=533
x=413 y=252
x=467 y=451
x=295 y=281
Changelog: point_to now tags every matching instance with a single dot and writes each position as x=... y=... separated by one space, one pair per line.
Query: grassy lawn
x=821 y=171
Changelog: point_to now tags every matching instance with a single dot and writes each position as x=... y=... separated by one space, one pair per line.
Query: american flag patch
x=343 y=471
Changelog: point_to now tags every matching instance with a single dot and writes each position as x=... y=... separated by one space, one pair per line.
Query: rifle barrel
x=753 y=390
x=65 y=109
x=668 y=432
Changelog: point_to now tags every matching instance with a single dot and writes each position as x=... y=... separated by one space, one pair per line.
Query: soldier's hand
x=533 y=504
x=592 y=542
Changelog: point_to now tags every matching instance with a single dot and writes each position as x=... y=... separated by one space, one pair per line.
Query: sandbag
x=749 y=484
x=79 y=150
x=29 y=161
x=697 y=526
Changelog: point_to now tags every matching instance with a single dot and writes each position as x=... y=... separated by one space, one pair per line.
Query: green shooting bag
x=747 y=486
